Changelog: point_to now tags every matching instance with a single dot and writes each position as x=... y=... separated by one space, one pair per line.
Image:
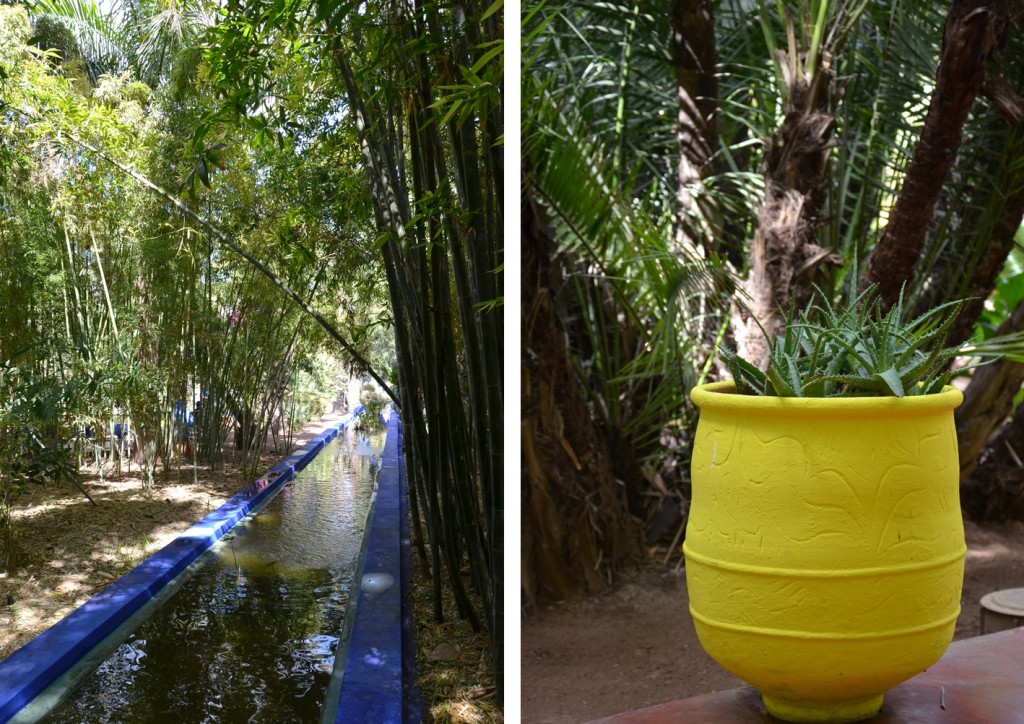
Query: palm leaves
x=164 y=34
x=145 y=37
x=101 y=41
x=609 y=61
x=635 y=295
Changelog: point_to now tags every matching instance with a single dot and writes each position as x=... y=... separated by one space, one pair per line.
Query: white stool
x=1002 y=610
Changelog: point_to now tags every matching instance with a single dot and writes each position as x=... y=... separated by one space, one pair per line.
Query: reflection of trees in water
x=233 y=648
x=253 y=633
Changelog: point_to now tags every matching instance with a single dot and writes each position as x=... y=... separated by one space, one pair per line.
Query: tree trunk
x=694 y=58
x=785 y=257
x=988 y=399
x=576 y=531
x=995 y=492
x=974 y=28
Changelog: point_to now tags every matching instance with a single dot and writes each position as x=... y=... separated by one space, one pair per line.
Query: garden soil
x=636 y=646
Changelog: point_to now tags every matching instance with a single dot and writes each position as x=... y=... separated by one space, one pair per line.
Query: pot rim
x=722 y=396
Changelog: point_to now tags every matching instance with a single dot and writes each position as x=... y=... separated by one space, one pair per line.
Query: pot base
x=823 y=711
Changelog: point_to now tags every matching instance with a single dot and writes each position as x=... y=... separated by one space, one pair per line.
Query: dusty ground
x=636 y=647
x=453 y=662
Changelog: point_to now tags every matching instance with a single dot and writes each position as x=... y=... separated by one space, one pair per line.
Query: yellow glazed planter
x=825 y=548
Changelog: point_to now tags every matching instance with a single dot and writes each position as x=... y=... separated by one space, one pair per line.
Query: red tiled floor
x=978 y=680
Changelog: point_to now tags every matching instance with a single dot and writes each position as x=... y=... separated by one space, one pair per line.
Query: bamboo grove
x=240 y=207
x=454 y=244
x=116 y=313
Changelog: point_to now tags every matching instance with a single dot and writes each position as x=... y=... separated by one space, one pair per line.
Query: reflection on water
x=251 y=638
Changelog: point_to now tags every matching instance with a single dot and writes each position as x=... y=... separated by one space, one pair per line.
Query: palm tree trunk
x=577 y=531
x=974 y=28
x=694 y=57
x=784 y=257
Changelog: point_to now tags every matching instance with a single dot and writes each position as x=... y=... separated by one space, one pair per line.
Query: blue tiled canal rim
x=378 y=680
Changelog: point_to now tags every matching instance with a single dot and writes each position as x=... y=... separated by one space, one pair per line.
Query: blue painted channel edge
x=412 y=696
x=29 y=670
x=379 y=677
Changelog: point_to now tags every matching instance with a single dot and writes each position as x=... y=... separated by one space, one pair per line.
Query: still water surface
x=252 y=636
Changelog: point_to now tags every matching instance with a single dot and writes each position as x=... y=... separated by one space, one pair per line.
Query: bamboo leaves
x=141 y=306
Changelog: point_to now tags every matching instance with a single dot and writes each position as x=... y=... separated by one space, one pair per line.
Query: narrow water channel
x=252 y=636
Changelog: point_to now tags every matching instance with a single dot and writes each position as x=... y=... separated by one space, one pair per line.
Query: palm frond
x=635 y=295
x=100 y=38
x=166 y=34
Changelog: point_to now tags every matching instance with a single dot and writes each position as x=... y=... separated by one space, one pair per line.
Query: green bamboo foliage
x=444 y=247
x=117 y=305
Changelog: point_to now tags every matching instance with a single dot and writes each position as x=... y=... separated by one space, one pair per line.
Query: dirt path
x=636 y=647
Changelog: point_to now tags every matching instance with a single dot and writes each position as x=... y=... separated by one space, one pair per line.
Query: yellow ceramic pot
x=825 y=547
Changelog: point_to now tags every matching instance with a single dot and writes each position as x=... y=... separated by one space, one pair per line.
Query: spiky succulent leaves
x=783 y=373
x=892 y=378
x=857 y=386
x=818 y=385
x=783 y=377
x=855 y=351
x=749 y=379
x=892 y=358
x=780 y=370
x=933 y=335
x=925 y=358
x=883 y=349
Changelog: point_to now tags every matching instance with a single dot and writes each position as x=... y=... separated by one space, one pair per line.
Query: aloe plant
x=853 y=351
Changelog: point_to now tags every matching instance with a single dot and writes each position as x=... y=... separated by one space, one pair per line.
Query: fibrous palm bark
x=785 y=255
x=576 y=525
